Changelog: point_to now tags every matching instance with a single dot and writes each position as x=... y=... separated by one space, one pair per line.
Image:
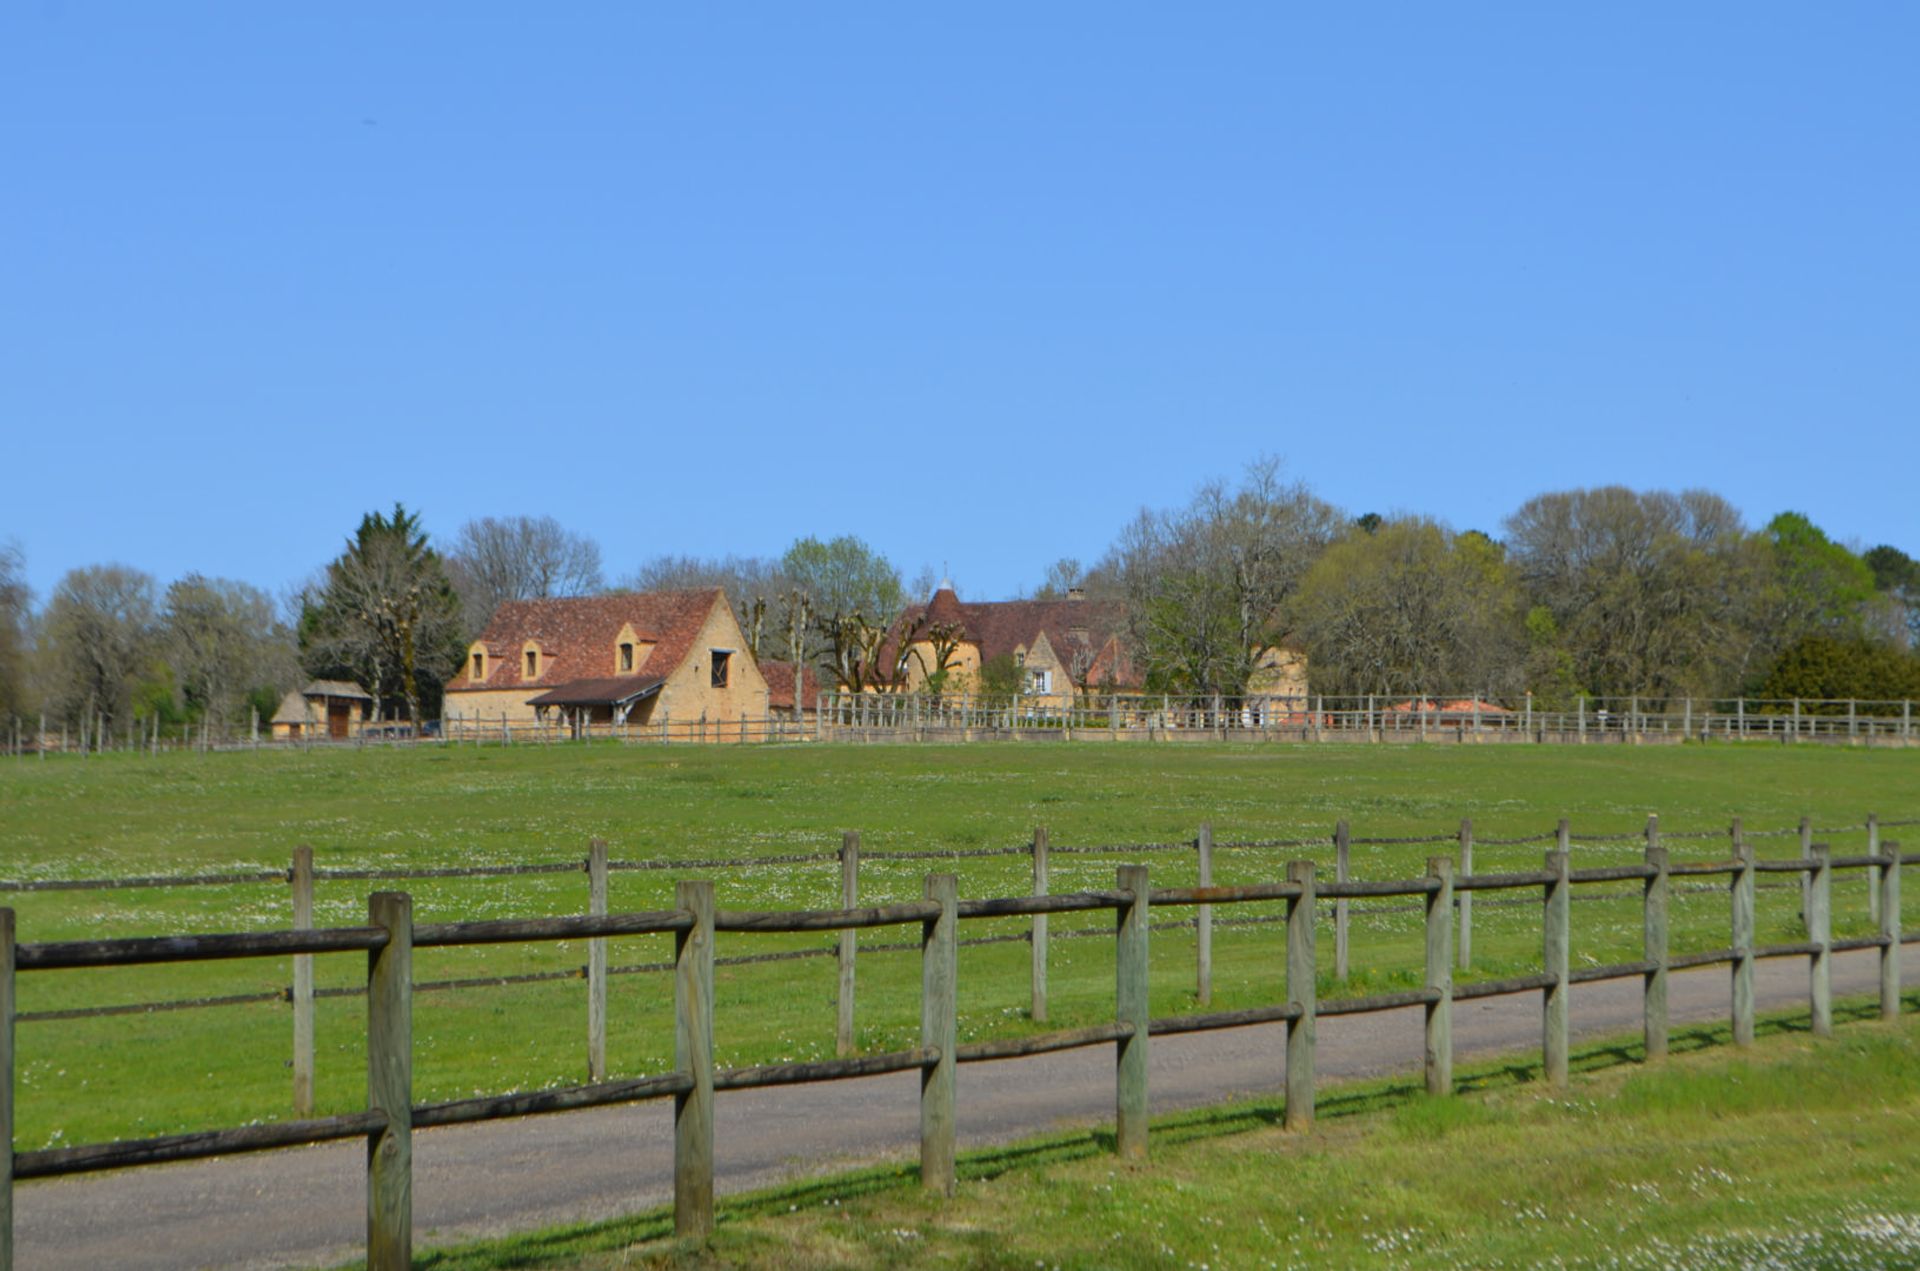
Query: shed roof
x=293 y=709
x=615 y=690
x=337 y=688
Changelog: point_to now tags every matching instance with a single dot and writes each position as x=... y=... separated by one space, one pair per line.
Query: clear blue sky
x=974 y=282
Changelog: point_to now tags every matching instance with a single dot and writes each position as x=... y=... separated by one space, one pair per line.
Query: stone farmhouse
x=1064 y=648
x=614 y=660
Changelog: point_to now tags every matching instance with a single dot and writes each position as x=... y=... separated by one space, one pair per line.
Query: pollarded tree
x=386 y=614
x=854 y=595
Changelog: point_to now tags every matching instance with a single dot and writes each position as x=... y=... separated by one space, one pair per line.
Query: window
x=533 y=665
x=1040 y=681
x=479 y=666
x=626 y=657
x=721 y=657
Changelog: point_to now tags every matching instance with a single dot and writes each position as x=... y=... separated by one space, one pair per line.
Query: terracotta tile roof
x=1457 y=706
x=779 y=677
x=578 y=637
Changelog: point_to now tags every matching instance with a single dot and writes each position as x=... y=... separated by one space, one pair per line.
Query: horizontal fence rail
x=390 y=936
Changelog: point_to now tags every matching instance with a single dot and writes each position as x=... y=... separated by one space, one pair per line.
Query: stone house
x=1064 y=648
x=325 y=709
x=614 y=660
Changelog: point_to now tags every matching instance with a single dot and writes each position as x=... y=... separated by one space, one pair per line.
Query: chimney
x=1076 y=593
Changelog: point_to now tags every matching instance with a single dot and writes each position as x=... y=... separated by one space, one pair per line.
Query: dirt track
x=305 y=1207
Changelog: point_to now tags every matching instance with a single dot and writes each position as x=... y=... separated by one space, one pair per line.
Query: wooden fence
x=389 y=937
x=917 y=717
x=301 y=876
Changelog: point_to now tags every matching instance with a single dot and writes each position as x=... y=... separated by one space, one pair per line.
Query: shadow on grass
x=655 y=1227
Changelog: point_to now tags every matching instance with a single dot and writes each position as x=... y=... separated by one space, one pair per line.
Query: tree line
x=1604 y=592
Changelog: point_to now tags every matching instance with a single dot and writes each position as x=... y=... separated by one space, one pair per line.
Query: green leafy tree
x=1897 y=575
x=852 y=596
x=15 y=612
x=1837 y=668
x=223 y=641
x=1826 y=587
x=98 y=643
x=385 y=614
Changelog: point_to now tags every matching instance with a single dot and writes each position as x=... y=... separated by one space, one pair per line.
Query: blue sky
x=975 y=283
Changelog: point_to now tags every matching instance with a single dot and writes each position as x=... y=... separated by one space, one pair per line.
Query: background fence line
x=390 y=936
x=1094 y=716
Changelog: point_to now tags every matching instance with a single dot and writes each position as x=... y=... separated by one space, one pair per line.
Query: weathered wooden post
x=301 y=878
x=693 y=1055
x=1873 y=871
x=1654 y=899
x=1341 y=849
x=1806 y=854
x=1130 y=1007
x=1203 y=918
x=1742 y=890
x=1465 y=902
x=1302 y=995
x=597 y=963
x=844 y=1037
x=1555 y=936
x=390 y=1084
x=1439 y=1038
x=1563 y=836
x=1038 y=936
x=1890 y=931
x=939 y=1028
x=6 y=1089
x=1820 y=933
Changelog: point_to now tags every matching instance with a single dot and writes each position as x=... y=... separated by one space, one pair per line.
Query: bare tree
x=1207 y=586
x=15 y=611
x=519 y=558
x=222 y=639
x=1061 y=577
x=1409 y=607
x=99 y=645
x=753 y=584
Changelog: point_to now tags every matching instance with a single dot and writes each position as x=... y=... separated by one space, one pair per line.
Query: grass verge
x=1794 y=1153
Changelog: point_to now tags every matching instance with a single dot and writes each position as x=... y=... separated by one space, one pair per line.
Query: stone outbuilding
x=1063 y=648
x=329 y=710
x=621 y=661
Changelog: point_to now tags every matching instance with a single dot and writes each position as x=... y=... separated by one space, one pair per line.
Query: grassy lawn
x=1796 y=1153
x=163 y=1072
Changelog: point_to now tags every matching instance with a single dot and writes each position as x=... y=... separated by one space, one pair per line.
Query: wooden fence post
x=390 y=1084
x=1440 y=976
x=1563 y=836
x=1203 y=919
x=597 y=963
x=6 y=1089
x=1302 y=993
x=1038 y=936
x=1742 y=890
x=1873 y=871
x=939 y=1030
x=1806 y=853
x=301 y=878
x=1654 y=900
x=1341 y=850
x=1820 y=932
x=693 y=1055
x=1890 y=931
x=1555 y=935
x=1465 y=901
x=1131 y=1007
x=844 y=1041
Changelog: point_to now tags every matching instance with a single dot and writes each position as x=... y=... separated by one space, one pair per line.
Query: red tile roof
x=578 y=637
x=779 y=677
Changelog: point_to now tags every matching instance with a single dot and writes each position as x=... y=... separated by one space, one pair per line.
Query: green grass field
x=163 y=1072
x=1794 y=1154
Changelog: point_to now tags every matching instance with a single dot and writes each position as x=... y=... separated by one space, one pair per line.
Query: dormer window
x=626 y=656
x=533 y=665
x=479 y=666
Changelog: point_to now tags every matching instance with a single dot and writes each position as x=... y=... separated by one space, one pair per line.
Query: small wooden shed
x=330 y=710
